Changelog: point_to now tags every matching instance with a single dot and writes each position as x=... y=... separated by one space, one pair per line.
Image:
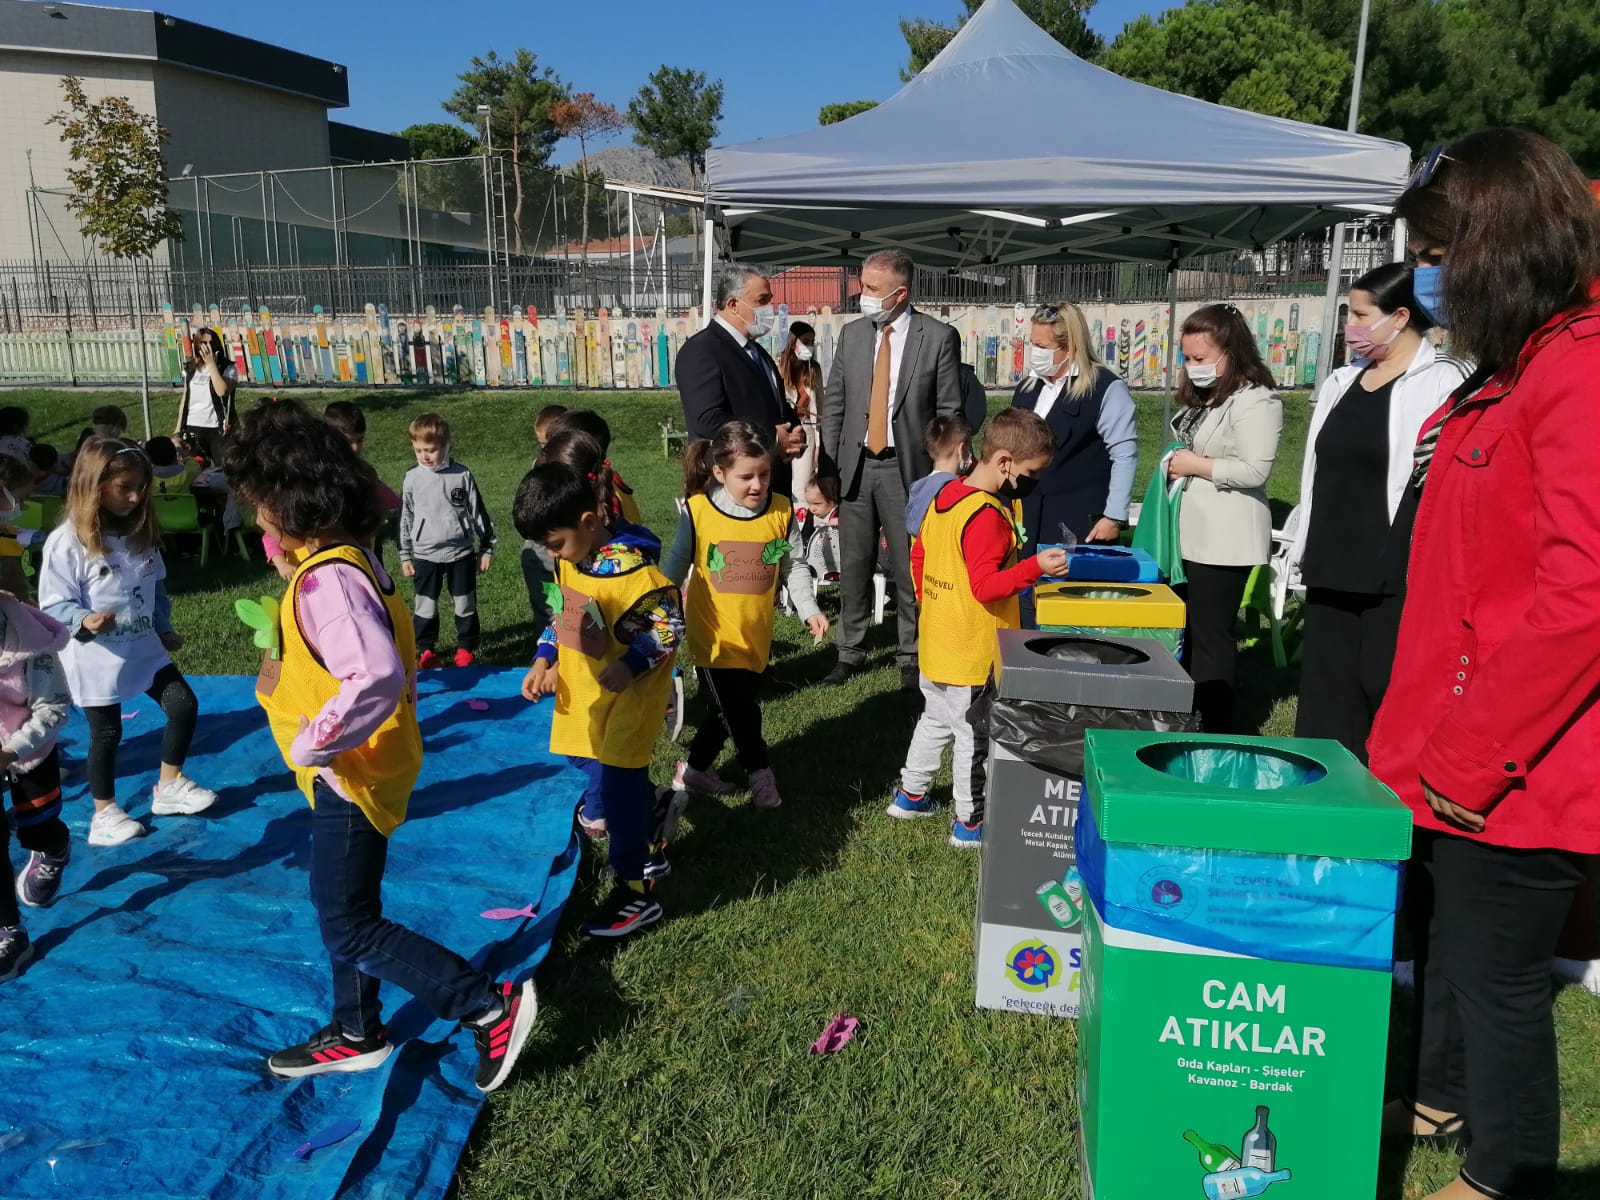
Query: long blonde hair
x=1070 y=328
x=99 y=459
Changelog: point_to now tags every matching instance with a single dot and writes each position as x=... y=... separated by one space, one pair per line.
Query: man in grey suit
x=892 y=374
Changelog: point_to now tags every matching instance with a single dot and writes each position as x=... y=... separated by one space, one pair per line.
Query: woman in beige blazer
x=1228 y=421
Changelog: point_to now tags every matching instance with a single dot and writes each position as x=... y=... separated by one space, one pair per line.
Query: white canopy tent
x=1008 y=148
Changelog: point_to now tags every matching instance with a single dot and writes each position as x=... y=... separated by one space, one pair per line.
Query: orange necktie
x=878 y=410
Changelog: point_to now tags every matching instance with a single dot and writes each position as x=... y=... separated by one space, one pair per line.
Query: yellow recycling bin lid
x=1125 y=605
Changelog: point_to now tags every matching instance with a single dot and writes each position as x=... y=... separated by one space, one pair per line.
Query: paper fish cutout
x=510 y=914
x=327 y=1137
x=836 y=1035
x=478 y=705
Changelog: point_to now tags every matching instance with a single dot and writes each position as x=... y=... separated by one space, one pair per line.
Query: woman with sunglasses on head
x=1089 y=482
x=1228 y=422
x=1489 y=728
x=802 y=388
x=1356 y=510
x=205 y=411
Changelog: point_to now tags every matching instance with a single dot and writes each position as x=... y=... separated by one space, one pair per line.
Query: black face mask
x=1019 y=488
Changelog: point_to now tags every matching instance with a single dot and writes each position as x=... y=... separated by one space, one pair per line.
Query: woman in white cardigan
x=1356 y=508
x=1229 y=421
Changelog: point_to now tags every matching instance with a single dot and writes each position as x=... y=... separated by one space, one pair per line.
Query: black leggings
x=172 y=692
x=734 y=710
x=1211 y=647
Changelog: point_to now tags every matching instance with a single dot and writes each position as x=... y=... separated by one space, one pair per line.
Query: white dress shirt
x=900 y=326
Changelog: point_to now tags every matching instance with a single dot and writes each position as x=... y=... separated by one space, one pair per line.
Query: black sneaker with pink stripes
x=331 y=1049
x=501 y=1033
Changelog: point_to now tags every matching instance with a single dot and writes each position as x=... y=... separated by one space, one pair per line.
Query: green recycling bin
x=1238 y=932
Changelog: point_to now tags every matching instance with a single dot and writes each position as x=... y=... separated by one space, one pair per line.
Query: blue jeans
x=347 y=860
x=625 y=797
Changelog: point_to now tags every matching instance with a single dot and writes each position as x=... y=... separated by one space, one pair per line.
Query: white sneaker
x=764 y=788
x=1584 y=973
x=183 y=797
x=111 y=827
x=1405 y=973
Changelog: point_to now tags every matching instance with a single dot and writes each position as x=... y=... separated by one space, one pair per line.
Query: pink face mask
x=1363 y=344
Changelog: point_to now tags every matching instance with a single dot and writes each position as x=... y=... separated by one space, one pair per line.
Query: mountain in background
x=634 y=164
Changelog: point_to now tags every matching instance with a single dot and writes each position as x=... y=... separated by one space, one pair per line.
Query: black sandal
x=1450 y=1134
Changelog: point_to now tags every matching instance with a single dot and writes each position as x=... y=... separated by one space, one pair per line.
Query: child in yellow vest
x=339 y=688
x=607 y=658
x=739 y=539
x=964 y=564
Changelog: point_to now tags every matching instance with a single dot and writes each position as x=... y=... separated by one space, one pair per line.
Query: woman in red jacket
x=1490 y=728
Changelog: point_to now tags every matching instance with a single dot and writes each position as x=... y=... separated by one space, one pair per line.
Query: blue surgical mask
x=1427 y=285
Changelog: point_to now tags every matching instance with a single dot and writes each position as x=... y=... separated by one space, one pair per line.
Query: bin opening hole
x=1243 y=768
x=1098 y=591
x=1101 y=552
x=1087 y=650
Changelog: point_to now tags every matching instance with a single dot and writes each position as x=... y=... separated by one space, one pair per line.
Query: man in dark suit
x=893 y=372
x=725 y=375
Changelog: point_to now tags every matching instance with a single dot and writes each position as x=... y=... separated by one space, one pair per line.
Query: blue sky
x=780 y=62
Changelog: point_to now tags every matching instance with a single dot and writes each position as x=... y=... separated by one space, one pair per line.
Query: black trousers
x=170 y=690
x=1347 y=656
x=461 y=577
x=734 y=710
x=36 y=809
x=1485 y=920
x=1211 y=641
x=208 y=443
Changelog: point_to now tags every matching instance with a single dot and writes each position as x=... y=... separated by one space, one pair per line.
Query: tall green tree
x=1238 y=54
x=519 y=95
x=119 y=187
x=437 y=139
x=1064 y=20
x=676 y=115
x=832 y=114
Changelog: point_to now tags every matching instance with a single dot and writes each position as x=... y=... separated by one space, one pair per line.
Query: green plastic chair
x=1258 y=613
x=32 y=516
x=49 y=511
x=247 y=528
x=181 y=515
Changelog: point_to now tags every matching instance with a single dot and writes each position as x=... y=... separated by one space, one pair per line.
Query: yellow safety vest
x=955 y=633
x=735 y=583
x=616 y=728
x=377 y=775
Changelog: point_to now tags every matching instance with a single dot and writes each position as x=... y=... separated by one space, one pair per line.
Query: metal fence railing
x=101 y=293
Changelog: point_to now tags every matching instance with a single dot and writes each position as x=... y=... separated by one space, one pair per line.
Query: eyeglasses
x=1429 y=166
x=1046 y=313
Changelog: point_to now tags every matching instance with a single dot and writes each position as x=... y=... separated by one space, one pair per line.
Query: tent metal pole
x=705 y=269
x=1172 y=348
x=1330 y=302
x=1398 y=251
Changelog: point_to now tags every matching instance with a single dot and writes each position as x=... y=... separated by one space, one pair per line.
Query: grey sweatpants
x=948 y=719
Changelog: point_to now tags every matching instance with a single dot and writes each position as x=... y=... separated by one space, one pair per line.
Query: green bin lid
x=1262 y=795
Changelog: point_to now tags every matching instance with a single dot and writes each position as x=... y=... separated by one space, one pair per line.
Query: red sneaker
x=429 y=660
x=464 y=657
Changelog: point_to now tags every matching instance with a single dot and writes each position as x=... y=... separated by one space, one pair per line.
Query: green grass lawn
x=676 y=1066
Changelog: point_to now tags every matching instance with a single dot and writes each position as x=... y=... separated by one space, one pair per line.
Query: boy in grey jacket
x=446 y=540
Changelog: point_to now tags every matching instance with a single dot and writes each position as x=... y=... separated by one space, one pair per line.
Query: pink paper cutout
x=478 y=705
x=510 y=914
x=836 y=1035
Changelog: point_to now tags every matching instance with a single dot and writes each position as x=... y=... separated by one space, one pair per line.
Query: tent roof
x=1009 y=148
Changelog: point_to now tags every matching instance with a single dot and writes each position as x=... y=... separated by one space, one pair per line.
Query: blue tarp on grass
x=132 y=1048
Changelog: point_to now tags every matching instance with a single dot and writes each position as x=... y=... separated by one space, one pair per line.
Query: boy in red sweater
x=964 y=563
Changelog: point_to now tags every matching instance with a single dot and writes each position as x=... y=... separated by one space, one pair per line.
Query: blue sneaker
x=905 y=806
x=962 y=834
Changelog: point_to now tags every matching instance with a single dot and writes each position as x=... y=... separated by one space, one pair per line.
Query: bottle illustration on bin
x=1064 y=900
x=1249 y=1173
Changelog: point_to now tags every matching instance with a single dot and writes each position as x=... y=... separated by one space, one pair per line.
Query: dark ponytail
x=735 y=440
x=583 y=453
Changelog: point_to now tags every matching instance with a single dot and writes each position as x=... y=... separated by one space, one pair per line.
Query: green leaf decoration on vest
x=715 y=562
x=772 y=553
x=591 y=610
x=262 y=616
x=553 y=599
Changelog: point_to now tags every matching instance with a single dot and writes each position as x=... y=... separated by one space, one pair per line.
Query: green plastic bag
x=1157 y=531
